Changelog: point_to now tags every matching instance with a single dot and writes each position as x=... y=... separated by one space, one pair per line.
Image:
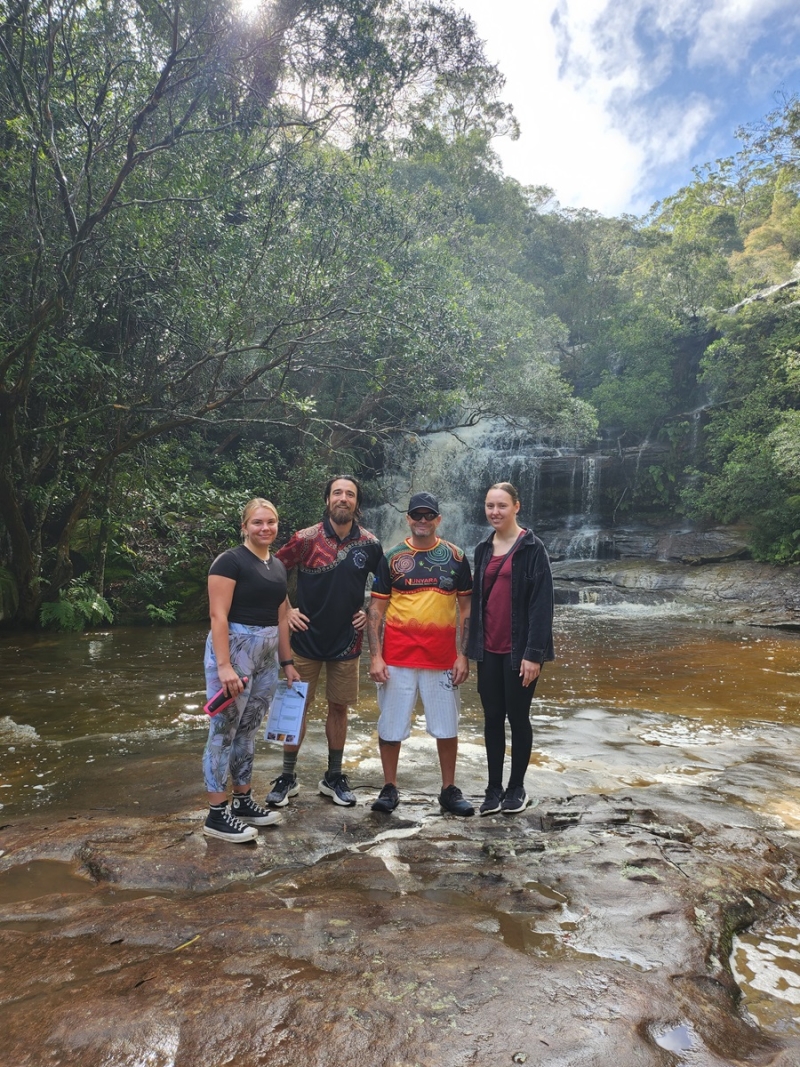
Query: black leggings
x=504 y=697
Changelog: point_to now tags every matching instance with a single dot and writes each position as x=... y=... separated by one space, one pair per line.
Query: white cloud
x=728 y=29
x=610 y=93
x=568 y=139
x=669 y=131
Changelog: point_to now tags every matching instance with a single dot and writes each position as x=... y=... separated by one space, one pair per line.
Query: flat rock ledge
x=589 y=930
x=741 y=591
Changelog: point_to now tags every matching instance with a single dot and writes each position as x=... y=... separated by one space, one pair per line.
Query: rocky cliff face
x=568 y=497
x=705 y=571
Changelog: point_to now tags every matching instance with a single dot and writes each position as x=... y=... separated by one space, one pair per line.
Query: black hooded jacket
x=531 y=601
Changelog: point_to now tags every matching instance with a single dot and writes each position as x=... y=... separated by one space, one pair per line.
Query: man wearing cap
x=417 y=626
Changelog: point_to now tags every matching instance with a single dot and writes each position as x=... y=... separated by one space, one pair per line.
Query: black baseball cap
x=423 y=500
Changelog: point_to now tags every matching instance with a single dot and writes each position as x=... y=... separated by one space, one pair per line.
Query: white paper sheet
x=285 y=717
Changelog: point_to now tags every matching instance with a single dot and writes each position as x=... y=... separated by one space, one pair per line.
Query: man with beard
x=333 y=561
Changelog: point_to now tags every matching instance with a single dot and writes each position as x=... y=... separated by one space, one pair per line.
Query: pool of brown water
x=636 y=696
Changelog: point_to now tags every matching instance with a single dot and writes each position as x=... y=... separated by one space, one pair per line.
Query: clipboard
x=285 y=719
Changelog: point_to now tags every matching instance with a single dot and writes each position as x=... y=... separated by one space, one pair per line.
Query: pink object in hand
x=220 y=701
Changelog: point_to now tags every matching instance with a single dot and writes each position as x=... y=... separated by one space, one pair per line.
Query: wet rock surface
x=720 y=544
x=591 y=929
x=594 y=928
x=743 y=591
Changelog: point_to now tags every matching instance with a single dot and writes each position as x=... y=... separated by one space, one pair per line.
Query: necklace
x=266 y=561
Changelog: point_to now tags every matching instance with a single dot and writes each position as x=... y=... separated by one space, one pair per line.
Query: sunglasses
x=422 y=516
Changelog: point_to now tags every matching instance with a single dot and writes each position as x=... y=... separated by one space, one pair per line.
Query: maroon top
x=497 y=611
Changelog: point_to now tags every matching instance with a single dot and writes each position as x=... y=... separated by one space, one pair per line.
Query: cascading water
x=459 y=465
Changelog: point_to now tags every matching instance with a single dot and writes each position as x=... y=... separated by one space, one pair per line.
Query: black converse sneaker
x=246 y=809
x=220 y=823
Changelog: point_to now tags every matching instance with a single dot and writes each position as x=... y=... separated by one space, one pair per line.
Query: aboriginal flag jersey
x=422 y=586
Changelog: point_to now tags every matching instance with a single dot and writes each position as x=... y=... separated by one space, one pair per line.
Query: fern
x=165 y=615
x=77 y=607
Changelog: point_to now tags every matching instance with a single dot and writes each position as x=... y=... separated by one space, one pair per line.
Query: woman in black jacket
x=510 y=636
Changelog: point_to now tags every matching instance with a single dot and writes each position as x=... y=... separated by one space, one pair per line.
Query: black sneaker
x=492 y=801
x=284 y=786
x=387 y=800
x=337 y=788
x=245 y=808
x=452 y=800
x=220 y=823
x=515 y=799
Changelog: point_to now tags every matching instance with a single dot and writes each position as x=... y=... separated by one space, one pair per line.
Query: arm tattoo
x=374 y=620
x=465 y=635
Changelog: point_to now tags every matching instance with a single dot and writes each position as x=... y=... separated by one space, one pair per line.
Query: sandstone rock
x=743 y=592
x=578 y=933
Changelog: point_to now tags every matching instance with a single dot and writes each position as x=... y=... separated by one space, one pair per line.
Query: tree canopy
x=241 y=229
x=250 y=251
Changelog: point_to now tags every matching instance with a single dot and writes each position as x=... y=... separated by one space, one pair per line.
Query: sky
x=619 y=99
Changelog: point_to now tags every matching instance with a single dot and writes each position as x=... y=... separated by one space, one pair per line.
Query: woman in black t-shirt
x=249 y=635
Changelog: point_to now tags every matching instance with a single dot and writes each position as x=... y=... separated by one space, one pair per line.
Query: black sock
x=335 y=761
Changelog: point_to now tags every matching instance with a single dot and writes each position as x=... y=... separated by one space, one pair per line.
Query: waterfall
x=459 y=465
x=589 y=485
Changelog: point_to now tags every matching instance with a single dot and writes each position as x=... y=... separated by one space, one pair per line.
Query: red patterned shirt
x=331 y=580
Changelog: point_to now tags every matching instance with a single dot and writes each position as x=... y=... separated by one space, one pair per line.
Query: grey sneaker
x=452 y=800
x=514 y=800
x=337 y=788
x=245 y=808
x=387 y=799
x=220 y=823
x=284 y=786
x=492 y=801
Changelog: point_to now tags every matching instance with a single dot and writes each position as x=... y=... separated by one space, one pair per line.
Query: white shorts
x=397 y=697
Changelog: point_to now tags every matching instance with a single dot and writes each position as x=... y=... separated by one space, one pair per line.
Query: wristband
x=287 y=662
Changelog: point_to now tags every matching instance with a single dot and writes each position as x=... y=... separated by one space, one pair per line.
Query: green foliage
x=663 y=480
x=78 y=606
x=206 y=296
x=163 y=616
x=185 y=247
x=784 y=443
x=179 y=505
x=752 y=435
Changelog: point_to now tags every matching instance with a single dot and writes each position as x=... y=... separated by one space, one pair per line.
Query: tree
x=751 y=374
x=160 y=168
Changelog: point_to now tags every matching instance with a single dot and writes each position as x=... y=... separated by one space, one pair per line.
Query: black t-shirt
x=331 y=578
x=260 y=587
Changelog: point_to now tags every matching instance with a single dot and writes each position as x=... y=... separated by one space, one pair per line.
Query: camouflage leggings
x=231 y=734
